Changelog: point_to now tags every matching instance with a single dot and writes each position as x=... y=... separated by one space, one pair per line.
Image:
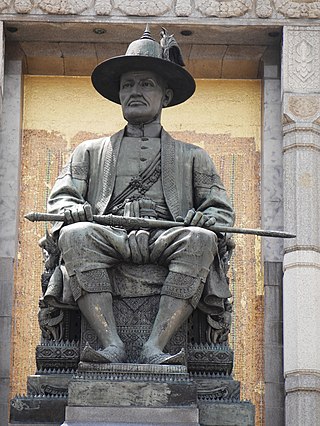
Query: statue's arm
x=70 y=188
x=210 y=196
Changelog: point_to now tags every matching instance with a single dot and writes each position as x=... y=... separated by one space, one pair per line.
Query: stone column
x=301 y=288
x=272 y=248
x=1 y=63
x=10 y=137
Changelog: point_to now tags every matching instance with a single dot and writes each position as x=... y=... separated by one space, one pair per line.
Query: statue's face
x=142 y=95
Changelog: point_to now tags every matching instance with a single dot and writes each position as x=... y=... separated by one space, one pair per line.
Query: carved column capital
x=301 y=77
x=301 y=112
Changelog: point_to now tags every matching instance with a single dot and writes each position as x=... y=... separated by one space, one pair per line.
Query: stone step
x=103 y=416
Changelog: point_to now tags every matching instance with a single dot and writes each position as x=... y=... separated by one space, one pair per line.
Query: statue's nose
x=136 y=89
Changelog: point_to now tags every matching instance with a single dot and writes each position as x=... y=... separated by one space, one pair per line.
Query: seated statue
x=141 y=171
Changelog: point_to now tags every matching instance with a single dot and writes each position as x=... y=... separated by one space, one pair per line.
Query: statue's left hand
x=196 y=218
x=78 y=213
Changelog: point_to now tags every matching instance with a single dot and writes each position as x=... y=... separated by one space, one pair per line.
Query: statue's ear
x=168 y=95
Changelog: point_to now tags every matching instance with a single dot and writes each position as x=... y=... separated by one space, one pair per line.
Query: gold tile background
x=224 y=118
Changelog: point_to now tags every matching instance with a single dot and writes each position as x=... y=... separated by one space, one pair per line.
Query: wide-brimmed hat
x=145 y=54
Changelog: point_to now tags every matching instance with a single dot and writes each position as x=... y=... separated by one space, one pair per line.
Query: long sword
x=139 y=222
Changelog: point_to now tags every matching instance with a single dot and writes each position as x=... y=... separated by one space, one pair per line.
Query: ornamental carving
x=183 y=8
x=298 y=8
x=103 y=7
x=23 y=6
x=4 y=4
x=304 y=68
x=303 y=106
x=143 y=7
x=220 y=8
x=223 y=9
x=63 y=7
x=302 y=60
x=264 y=9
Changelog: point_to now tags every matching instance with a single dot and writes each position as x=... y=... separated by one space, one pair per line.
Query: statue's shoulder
x=189 y=147
x=99 y=144
x=93 y=144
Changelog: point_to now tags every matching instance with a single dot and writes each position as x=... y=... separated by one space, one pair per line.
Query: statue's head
x=142 y=95
x=149 y=72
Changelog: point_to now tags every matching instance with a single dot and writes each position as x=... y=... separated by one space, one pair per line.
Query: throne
x=137 y=289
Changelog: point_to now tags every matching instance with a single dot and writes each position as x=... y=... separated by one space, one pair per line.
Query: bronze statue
x=141 y=172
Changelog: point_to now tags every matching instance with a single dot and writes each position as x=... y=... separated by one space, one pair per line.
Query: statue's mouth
x=137 y=102
x=134 y=103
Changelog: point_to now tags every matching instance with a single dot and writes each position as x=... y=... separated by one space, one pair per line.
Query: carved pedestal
x=132 y=393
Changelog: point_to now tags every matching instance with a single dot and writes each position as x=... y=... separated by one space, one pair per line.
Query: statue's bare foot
x=110 y=354
x=149 y=357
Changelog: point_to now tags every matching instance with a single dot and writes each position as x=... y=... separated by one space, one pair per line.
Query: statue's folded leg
x=188 y=253
x=88 y=251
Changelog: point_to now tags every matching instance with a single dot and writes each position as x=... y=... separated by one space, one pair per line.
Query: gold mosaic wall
x=224 y=118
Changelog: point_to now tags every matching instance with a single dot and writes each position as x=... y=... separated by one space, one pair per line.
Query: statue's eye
x=147 y=83
x=126 y=85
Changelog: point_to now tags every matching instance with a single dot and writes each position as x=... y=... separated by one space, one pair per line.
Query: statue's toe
x=111 y=354
x=162 y=358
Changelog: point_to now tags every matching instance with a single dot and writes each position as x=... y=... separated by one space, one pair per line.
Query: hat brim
x=106 y=76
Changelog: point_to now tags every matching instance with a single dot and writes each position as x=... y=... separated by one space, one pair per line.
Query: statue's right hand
x=78 y=213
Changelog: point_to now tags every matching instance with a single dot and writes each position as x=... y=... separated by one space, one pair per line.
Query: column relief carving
x=302 y=60
x=301 y=80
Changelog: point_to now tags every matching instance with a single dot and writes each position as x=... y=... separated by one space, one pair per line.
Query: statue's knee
x=74 y=233
x=203 y=237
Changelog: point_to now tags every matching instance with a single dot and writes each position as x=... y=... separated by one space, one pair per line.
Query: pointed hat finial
x=147 y=34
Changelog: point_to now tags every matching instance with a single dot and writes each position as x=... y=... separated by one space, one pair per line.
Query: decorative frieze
x=264 y=8
x=23 y=6
x=298 y=8
x=223 y=9
x=183 y=8
x=143 y=7
x=62 y=7
x=4 y=4
x=103 y=7
x=261 y=9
